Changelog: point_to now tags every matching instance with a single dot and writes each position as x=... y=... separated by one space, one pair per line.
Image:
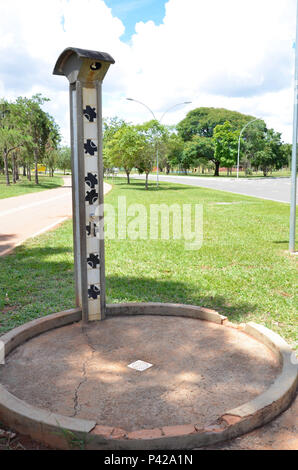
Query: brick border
x=65 y=433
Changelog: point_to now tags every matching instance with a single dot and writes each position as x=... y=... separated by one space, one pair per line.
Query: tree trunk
x=217 y=164
x=36 y=166
x=127 y=174
x=29 y=172
x=17 y=171
x=146 y=183
x=64 y=171
x=6 y=168
x=52 y=172
x=24 y=170
x=14 y=170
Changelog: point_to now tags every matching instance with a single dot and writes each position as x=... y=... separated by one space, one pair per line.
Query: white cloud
x=231 y=53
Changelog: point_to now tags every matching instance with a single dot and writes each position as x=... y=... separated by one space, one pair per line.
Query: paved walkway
x=274 y=189
x=27 y=216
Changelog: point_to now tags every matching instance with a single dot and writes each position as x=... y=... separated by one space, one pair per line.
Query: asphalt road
x=274 y=189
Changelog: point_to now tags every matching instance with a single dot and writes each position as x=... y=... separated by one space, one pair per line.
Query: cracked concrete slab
x=200 y=370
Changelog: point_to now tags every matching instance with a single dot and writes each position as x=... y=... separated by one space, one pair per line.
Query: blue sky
x=232 y=54
x=132 y=11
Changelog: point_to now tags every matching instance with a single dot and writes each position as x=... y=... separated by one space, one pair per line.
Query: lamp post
x=154 y=117
x=239 y=143
x=294 y=154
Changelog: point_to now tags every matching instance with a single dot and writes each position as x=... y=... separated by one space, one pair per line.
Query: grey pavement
x=274 y=189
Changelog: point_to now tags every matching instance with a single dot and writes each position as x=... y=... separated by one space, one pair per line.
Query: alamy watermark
x=156 y=222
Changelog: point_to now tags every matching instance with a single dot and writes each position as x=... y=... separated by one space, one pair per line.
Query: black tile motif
x=89 y=113
x=91 y=229
x=93 y=292
x=91 y=180
x=90 y=147
x=91 y=197
x=93 y=260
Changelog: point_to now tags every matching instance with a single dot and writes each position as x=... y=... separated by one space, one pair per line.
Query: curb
x=63 y=432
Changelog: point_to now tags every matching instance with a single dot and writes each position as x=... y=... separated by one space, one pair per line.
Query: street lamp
x=294 y=154
x=239 y=143
x=154 y=117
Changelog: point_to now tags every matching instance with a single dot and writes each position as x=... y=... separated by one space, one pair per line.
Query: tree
x=39 y=126
x=174 y=149
x=123 y=149
x=51 y=147
x=226 y=145
x=64 y=158
x=155 y=136
x=287 y=151
x=272 y=155
x=145 y=159
x=202 y=122
x=111 y=126
x=26 y=157
x=12 y=132
x=51 y=160
x=201 y=150
x=252 y=141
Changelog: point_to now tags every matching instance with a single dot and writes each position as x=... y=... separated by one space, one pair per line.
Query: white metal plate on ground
x=140 y=365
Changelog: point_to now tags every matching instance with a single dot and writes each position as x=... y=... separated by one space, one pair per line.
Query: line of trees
x=29 y=136
x=206 y=138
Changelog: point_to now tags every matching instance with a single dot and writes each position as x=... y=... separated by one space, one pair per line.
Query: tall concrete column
x=85 y=71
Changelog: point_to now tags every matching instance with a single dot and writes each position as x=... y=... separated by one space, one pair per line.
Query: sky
x=236 y=54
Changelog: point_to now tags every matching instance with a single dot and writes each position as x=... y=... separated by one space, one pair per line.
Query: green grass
x=275 y=174
x=243 y=269
x=23 y=186
x=259 y=174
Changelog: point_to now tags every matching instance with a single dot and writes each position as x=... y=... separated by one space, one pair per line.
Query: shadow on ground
x=135 y=289
x=33 y=276
x=140 y=185
x=5 y=238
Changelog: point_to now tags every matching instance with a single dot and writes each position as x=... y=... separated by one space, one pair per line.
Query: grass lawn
x=23 y=186
x=243 y=269
x=259 y=174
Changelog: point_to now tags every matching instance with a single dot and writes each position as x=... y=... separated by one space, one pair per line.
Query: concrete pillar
x=85 y=71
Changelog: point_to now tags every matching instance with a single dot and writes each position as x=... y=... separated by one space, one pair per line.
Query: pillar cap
x=83 y=64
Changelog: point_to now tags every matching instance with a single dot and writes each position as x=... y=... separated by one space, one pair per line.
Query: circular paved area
x=200 y=370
